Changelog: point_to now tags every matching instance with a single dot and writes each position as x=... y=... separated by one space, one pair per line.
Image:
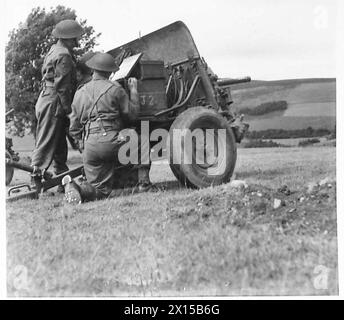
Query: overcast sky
x=266 y=39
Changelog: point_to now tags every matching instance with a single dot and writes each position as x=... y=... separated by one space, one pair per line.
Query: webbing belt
x=106 y=128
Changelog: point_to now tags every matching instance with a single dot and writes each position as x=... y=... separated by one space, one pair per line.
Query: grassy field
x=182 y=242
x=311 y=103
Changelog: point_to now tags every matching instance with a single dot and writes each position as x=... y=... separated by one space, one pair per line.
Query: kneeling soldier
x=100 y=110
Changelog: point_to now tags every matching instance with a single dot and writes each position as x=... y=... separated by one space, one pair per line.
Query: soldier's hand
x=78 y=145
x=132 y=84
x=81 y=145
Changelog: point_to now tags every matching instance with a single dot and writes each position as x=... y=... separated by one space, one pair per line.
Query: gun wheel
x=9 y=170
x=201 y=148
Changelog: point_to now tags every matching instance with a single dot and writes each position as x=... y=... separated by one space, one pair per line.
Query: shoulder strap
x=95 y=101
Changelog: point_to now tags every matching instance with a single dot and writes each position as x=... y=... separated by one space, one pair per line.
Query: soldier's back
x=99 y=97
x=54 y=54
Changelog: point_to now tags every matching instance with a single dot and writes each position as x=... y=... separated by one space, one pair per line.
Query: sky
x=264 y=39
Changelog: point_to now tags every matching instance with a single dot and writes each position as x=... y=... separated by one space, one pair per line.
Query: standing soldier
x=100 y=110
x=54 y=102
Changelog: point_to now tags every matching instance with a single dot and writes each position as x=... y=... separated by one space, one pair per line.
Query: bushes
x=286 y=134
x=258 y=143
x=265 y=108
x=308 y=142
x=332 y=135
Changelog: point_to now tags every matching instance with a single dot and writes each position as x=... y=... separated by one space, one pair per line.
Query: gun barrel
x=229 y=81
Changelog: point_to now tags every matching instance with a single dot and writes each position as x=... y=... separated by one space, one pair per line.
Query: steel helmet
x=102 y=62
x=87 y=56
x=68 y=29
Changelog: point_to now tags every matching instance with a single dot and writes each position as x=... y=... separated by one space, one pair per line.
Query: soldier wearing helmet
x=54 y=102
x=100 y=110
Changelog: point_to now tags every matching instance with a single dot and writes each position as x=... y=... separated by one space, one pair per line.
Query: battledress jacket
x=54 y=103
x=59 y=72
x=104 y=99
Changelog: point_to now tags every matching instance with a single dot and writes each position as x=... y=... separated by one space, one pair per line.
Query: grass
x=291 y=123
x=311 y=103
x=214 y=241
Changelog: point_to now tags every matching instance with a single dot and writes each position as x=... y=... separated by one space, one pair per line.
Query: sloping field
x=182 y=242
x=311 y=103
x=291 y=123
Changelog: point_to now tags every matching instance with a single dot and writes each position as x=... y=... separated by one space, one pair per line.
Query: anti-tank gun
x=179 y=92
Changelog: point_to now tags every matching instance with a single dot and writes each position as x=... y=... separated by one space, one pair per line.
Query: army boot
x=72 y=190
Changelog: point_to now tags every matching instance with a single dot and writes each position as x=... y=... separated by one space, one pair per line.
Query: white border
x=3 y=279
x=339 y=169
x=340 y=151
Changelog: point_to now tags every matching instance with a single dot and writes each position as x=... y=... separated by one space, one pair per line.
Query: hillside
x=311 y=102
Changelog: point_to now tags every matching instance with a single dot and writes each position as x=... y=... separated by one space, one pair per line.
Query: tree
x=25 y=52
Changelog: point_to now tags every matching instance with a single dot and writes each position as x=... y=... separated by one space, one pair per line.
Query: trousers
x=100 y=159
x=51 y=143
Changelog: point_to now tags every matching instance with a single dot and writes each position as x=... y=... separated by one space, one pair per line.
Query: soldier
x=100 y=110
x=54 y=102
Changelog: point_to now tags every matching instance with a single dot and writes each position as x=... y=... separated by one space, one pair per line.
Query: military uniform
x=99 y=111
x=54 y=102
x=85 y=79
x=59 y=84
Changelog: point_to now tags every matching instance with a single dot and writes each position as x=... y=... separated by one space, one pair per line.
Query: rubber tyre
x=9 y=170
x=190 y=173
